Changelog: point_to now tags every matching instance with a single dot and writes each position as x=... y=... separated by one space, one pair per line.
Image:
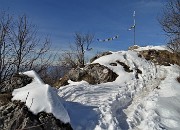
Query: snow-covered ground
x=139 y=101
x=149 y=102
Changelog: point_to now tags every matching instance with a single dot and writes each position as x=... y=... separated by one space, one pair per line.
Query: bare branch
x=170 y=22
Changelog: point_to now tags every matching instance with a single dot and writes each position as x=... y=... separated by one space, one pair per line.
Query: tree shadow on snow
x=82 y=116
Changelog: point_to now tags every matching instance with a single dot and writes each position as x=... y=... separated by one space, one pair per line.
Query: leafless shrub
x=69 y=58
x=6 y=64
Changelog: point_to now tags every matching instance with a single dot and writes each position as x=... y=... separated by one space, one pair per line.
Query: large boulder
x=92 y=73
x=15 y=115
x=160 y=57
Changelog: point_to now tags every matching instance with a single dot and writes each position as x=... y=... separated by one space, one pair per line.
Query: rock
x=62 y=81
x=161 y=57
x=15 y=115
x=113 y=64
x=178 y=79
x=100 y=55
x=126 y=67
x=100 y=73
x=133 y=47
x=138 y=71
x=92 y=73
x=5 y=98
x=17 y=81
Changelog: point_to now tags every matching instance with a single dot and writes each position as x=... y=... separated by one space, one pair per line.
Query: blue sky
x=60 y=19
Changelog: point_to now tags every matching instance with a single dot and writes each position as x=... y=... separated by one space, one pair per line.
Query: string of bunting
x=115 y=37
x=108 y=39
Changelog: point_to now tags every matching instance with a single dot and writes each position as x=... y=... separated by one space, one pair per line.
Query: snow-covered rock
x=40 y=97
x=91 y=73
x=144 y=96
x=15 y=115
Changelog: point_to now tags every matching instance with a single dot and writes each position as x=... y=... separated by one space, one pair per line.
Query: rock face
x=14 y=115
x=92 y=73
x=160 y=57
x=17 y=81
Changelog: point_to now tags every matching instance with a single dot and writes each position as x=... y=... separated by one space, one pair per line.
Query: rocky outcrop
x=133 y=47
x=160 y=57
x=16 y=116
x=5 y=98
x=17 y=81
x=92 y=73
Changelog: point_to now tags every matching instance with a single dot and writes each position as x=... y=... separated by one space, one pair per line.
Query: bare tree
x=26 y=52
x=170 y=22
x=82 y=43
x=20 y=47
x=6 y=65
x=42 y=57
x=75 y=56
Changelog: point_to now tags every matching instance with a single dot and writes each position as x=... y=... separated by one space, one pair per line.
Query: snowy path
x=159 y=108
x=101 y=98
